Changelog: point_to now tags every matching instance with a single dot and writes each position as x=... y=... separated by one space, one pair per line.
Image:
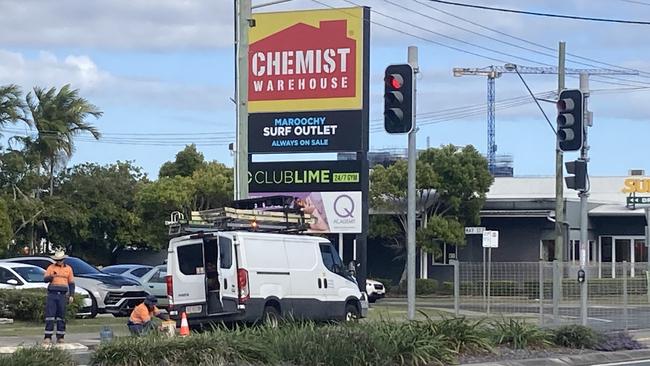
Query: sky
x=162 y=71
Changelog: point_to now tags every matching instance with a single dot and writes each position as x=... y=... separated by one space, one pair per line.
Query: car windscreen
x=114 y=270
x=30 y=274
x=80 y=267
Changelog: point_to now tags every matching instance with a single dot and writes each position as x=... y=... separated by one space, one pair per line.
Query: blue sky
x=162 y=71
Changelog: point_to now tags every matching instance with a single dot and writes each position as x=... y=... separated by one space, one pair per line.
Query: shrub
x=37 y=356
x=503 y=288
x=463 y=334
x=425 y=286
x=294 y=343
x=519 y=334
x=617 y=342
x=447 y=288
x=387 y=282
x=575 y=336
x=29 y=305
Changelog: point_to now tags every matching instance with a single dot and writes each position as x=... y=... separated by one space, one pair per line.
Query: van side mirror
x=352 y=267
x=12 y=282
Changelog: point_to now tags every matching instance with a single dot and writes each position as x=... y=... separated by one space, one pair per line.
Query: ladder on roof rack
x=281 y=214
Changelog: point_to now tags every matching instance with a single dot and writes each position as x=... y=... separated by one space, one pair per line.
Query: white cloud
x=117 y=24
x=102 y=87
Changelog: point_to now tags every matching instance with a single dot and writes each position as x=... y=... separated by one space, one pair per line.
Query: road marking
x=623 y=363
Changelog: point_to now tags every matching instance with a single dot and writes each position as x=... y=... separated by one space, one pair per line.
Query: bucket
x=168 y=328
x=106 y=334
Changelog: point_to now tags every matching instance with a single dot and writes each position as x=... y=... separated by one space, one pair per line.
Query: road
x=606 y=317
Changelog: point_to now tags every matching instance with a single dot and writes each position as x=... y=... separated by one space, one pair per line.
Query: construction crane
x=494 y=72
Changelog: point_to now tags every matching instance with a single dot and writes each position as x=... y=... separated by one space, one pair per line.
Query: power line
x=494 y=39
x=636 y=2
x=428 y=5
x=574 y=17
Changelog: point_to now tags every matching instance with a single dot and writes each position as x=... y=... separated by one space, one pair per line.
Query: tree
x=5 y=228
x=59 y=117
x=12 y=107
x=94 y=211
x=187 y=162
x=451 y=185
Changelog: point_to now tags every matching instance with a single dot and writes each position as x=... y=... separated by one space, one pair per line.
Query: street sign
x=490 y=239
x=471 y=230
x=632 y=200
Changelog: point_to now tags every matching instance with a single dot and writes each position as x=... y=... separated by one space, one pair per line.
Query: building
x=522 y=209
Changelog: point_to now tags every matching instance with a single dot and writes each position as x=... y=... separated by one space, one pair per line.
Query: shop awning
x=615 y=210
x=515 y=213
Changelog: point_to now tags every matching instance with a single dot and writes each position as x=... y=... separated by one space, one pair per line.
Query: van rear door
x=228 y=274
x=188 y=275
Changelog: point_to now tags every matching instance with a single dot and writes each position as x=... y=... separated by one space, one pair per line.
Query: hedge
x=570 y=288
x=29 y=305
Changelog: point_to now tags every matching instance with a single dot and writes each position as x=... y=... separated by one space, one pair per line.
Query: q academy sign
x=307 y=79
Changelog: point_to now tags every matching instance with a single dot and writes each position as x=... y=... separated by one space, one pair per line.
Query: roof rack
x=281 y=214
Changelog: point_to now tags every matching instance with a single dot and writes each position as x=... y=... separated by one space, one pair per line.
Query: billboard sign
x=305 y=132
x=335 y=212
x=308 y=81
x=307 y=60
x=305 y=176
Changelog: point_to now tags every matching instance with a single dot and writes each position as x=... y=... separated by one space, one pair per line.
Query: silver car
x=112 y=294
x=155 y=284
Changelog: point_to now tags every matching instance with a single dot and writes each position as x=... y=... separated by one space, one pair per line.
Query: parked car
x=266 y=275
x=154 y=283
x=375 y=290
x=25 y=276
x=113 y=294
x=135 y=271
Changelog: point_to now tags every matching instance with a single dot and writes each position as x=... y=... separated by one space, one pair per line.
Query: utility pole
x=584 y=208
x=244 y=14
x=410 y=214
x=559 y=200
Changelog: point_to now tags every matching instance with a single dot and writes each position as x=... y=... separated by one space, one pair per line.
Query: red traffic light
x=395 y=81
x=565 y=105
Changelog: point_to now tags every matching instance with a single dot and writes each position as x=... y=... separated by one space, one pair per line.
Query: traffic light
x=578 y=181
x=398 y=98
x=570 y=120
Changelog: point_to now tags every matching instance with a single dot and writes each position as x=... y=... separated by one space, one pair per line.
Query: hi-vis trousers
x=55 y=312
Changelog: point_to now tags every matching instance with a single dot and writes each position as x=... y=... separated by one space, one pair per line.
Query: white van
x=251 y=276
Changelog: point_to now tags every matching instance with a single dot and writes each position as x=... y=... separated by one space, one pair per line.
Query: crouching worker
x=140 y=320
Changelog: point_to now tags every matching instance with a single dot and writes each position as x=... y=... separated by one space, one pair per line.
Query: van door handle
x=225 y=283
x=325 y=282
x=320 y=284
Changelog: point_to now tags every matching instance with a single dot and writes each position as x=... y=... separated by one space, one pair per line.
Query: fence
x=527 y=290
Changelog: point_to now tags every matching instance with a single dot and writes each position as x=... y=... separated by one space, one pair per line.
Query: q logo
x=344 y=206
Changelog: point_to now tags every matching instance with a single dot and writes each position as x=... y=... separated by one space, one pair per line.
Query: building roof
x=605 y=192
x=602 y=190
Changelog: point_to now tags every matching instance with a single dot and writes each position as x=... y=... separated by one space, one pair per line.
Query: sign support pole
x=243 y=8
x=584 y=210
x=412 y=157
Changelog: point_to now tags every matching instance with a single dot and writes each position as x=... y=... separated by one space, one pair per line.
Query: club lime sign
x=299 y=176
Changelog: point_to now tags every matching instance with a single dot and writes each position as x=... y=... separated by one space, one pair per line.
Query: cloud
x=117 y=24
x=104 y=88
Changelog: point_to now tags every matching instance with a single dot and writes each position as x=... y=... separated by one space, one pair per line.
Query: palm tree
x=59 y=117
x=12 y=107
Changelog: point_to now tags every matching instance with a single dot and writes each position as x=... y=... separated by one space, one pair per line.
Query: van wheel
x=271 y=316
x=351 y=313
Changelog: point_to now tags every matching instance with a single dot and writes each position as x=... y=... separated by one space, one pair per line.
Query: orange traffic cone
x=185 y=327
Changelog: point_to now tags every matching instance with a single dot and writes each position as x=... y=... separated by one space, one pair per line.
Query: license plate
x=195 y=309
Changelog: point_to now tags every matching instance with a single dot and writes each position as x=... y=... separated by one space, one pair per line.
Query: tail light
x=170 y=286
x=242 y=281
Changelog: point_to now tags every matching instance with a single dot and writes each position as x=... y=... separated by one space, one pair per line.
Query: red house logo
x=303 y=62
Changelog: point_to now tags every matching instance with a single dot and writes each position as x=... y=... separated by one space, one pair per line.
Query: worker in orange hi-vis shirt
x=140 y=319
x=59 y=293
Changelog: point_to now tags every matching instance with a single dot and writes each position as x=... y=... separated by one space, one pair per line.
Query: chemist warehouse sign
x=307 y=72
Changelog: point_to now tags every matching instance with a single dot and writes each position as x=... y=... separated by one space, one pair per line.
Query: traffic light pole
x=584 y=207
x=559 y=199
x=410 y=213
